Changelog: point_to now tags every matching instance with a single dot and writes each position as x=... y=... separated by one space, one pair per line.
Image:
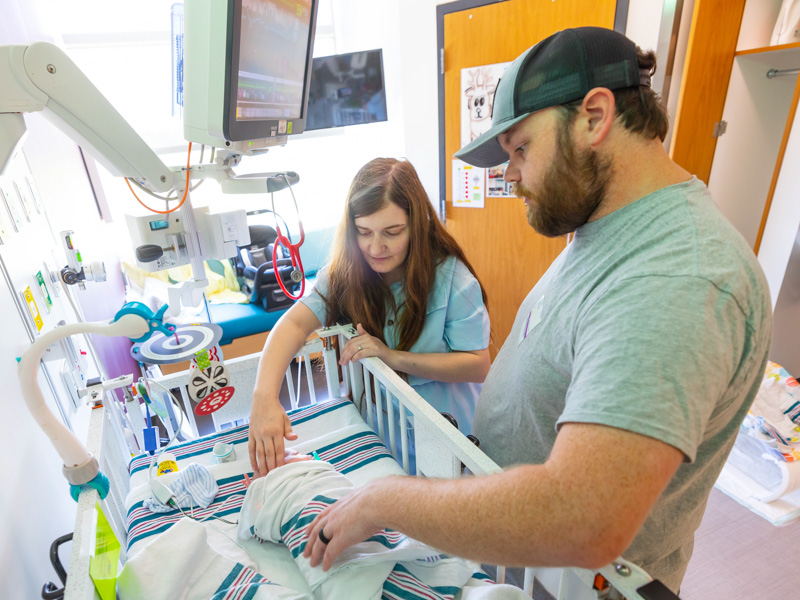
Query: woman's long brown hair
x=356 y=293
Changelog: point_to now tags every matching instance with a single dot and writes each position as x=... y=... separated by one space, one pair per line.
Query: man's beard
x=573 y=187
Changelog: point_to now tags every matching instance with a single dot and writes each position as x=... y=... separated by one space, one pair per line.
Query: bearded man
x=618 y=394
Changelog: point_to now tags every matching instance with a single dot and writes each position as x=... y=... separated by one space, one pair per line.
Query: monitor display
x=270 y=43
x=346 y=89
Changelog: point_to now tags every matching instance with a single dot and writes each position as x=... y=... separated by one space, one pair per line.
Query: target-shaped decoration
x=179 y=346
x=203 y=382
x=214 y=401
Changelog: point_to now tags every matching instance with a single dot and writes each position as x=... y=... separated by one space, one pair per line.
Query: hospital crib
x=441 y=451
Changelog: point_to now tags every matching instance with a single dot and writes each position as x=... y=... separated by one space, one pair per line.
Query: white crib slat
x=379 y=409
x=312 y=390
x=187 y=405
x=501 y=575
x=168 y=421
x=390 y=411
x=527 y=586
x=137 y=421
x=117 y=418
x=347 y=375
x=331 y=368
x=368 y=397
x=290 y=386
x=404 y=436
x=299 y=378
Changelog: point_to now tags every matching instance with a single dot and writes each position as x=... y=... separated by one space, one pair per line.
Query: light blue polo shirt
x=456 y=320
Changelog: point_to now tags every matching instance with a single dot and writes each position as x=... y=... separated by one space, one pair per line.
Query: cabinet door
x=709 y=58
x=507 y=254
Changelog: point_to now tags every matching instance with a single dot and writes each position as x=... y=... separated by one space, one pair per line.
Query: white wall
x=35 y=501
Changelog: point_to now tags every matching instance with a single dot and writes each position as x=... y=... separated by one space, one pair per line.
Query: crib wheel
x=100 y=483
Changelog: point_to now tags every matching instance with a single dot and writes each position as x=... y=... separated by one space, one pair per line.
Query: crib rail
x=441 y=451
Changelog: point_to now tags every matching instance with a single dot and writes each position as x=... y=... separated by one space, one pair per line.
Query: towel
x=194 y=486
x=180 y=565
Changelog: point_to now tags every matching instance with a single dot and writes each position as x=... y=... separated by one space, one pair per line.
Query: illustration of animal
x=480 y=95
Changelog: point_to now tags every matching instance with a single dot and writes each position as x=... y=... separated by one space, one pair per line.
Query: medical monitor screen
x=346 y=89
x=271 y=43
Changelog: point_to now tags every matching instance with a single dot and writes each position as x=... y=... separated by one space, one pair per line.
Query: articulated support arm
x=135 y=321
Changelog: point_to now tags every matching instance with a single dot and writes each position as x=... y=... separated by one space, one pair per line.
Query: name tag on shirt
x=534 y=318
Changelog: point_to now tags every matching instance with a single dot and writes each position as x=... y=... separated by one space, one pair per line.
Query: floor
x=741 y=556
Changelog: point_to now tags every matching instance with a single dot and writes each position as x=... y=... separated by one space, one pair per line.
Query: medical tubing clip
x=99 y=483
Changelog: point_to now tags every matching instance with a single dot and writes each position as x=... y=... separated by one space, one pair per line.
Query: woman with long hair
x=404 y=282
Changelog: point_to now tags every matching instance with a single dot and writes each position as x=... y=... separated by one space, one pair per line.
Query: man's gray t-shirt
x=656 y=319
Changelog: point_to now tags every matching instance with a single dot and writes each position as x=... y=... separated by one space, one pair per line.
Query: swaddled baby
x=280 y=506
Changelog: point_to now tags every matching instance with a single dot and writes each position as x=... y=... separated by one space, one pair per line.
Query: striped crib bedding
x=334 y=430
x=338 y=434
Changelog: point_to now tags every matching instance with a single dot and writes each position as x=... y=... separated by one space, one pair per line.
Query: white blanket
x=180 y=565
x=279 y=508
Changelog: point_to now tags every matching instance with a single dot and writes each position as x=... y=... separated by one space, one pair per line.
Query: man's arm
x=582 y=508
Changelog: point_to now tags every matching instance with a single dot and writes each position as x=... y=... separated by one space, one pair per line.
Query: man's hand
x=348 y=521
x=269 y=425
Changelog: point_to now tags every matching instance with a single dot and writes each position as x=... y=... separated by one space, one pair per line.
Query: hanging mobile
x=297 y=275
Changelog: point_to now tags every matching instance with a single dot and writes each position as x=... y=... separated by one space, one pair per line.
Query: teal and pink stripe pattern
x=143 y=523
x=236 y=435
x=293 y=531
x=402 y=584
x=240 y=584
x=346 y=455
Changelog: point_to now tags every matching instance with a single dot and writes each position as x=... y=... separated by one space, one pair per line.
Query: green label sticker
x=103 y=565
x=48 y=303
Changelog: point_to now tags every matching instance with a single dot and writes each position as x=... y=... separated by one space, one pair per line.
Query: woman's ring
x=322 y=537
x=359 y=348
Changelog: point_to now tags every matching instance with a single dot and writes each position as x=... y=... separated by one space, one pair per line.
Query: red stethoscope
x=297 y=275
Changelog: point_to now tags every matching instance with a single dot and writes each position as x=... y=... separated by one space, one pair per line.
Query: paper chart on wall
x=477 y=94
x=468 y=185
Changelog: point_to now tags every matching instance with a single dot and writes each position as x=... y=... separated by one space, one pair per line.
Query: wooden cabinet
x=738 y=134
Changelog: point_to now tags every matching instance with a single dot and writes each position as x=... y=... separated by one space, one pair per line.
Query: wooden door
x=507 y=254
x=706 y=72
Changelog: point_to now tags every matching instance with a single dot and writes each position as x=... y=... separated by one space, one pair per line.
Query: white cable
x=155 y=458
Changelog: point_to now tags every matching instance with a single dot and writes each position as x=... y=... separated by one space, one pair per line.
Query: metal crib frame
x=440 y=452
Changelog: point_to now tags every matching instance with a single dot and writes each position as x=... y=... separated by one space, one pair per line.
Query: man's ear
x=595 y=116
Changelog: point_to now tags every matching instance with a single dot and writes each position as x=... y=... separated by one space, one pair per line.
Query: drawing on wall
x=477 y=94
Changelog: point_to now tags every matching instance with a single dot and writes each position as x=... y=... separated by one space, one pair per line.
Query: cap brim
x=485 y=151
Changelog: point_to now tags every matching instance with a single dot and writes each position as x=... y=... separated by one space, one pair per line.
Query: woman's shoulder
x=451 y=271
x=453 y=279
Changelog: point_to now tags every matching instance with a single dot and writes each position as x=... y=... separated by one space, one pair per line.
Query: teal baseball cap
x=561 y=68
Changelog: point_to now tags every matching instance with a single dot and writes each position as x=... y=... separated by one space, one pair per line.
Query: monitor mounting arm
x=41 y=77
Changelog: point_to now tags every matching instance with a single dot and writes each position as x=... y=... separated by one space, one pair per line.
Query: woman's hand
x=363 y=346
x=269 y=425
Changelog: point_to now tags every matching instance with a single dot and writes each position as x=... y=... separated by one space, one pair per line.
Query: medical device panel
x=247 y=65
x=162 y=242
